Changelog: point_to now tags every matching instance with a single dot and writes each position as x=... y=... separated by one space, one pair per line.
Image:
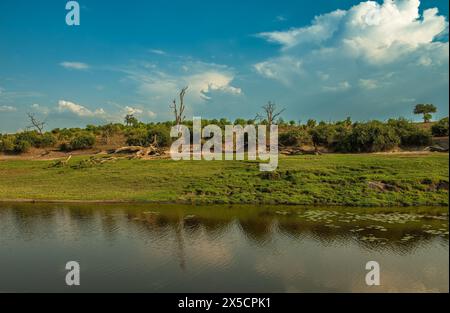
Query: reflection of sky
x=123 y=251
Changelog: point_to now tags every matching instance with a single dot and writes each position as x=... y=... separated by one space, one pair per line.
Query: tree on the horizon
x=130 y=120
x=425 y=110
x=271 y=113
x=178 y=110
x=35 y=123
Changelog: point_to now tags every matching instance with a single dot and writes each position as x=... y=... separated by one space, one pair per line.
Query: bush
x=323 y=135
x=22 y=146
x=295 y=138
x=440 y=129
x=32 y=137
x=7 y=144
x=145 y=137
x=81 y=141
x=372 y=137
x=417 y=137
x=162 y=134
x=137 y=137
x=410 y=134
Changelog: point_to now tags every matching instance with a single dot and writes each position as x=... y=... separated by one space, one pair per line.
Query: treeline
x=342 y=136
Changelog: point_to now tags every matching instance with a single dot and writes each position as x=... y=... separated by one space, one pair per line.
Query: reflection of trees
x=258 y=230
x=33 y=220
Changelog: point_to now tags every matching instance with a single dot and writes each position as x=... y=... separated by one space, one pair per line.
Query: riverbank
x=330 y=180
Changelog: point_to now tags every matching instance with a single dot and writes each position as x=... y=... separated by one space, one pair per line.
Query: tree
x=178 y=110
x=35 y=123
x=440 y=129
x=130 y=120
x=271 y=113
x=311 y=123
x=426 y=110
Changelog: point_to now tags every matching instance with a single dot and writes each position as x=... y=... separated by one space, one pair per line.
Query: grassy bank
x=350 y=180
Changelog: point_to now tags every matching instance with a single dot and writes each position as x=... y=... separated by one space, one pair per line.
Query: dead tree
x=271 y=113
x=178 y=110
x=35 y=123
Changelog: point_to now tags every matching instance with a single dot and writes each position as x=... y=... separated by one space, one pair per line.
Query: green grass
x=305 y=180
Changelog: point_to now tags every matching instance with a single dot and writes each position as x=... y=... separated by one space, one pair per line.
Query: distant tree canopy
x=440 y=129
x=343 y=136
x=131 y=120
x=426 y=110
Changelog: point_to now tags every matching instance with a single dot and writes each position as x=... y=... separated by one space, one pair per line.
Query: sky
x=322 y=59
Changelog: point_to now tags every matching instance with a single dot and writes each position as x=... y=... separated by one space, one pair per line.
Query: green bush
x=373 y=137
x=410 y=135
x=145 y=137
x=162 y=134
x=80 y=141
x=440 y=129
x=323 y=134
x=137 y=137
x=295 y=137
x=22 y=146
x=7 y=144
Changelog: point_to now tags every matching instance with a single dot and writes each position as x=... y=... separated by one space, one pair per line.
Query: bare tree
x=271 y=113
x=35 y=123
x=178 y=110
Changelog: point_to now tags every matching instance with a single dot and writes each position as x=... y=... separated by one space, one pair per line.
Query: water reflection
x=219 y=248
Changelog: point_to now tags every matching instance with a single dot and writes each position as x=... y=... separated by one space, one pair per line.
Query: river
x=170 y=248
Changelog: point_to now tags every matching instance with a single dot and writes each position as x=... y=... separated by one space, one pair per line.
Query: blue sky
x=322 y=59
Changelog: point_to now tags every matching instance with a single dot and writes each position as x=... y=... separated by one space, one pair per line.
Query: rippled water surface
x=160 y=248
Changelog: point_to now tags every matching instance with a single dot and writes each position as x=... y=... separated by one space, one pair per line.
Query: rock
x=383 y=187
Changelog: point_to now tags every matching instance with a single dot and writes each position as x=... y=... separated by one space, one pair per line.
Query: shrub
x=417 y=137
x=410 y=134
x=7 y=144
x=440 y=129
x=323 y=135
x=145 y=137
x=372 y=137
x=295 y=138
x=22 y=146
x=81 y=141
x=162 y=134
x=137 y=137
x=32 y=137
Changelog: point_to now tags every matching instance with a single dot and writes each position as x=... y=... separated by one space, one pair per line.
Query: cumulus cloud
x=378 y=33
x=389 y=47
x=204 y=81
x=74 y=65
x=7 y=108
x=77 y=109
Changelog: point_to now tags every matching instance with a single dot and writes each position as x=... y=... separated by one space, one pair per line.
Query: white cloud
x=7 y=108
x=379 y=33
x=157 y=51
x=342 y=86
x=204 y=80
x=321 y=29
x=390 y=47
x=368 y=83
x=39 y=108
x=67 y=106
x=74 y=65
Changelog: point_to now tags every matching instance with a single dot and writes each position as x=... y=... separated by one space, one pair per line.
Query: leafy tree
x=131 y=120
x=311 y=123
x=295 y=137
x=425 y=110
x=440 y=129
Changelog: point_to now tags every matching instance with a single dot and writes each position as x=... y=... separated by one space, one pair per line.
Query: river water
x=169 y=248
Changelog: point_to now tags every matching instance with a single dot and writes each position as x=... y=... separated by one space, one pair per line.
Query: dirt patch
x=383 y=187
